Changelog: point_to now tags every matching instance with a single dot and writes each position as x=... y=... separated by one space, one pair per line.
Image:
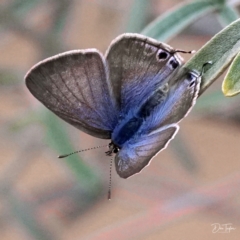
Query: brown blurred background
x=186 y=188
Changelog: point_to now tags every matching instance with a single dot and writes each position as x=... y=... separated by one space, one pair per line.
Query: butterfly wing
x=160 y=126
x=137 y=65
x=138 y=152
x=74 y=85
x=179 y=100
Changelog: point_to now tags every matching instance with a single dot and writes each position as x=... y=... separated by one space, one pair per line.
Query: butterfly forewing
x=74 y=85
x=137 y=66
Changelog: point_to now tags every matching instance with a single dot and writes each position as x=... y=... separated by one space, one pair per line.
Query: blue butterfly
x=130 y=95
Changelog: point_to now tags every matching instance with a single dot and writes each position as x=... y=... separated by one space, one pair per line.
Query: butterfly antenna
x=87 y=149
x=110 y=180
x=203 y=67
x=182 y=51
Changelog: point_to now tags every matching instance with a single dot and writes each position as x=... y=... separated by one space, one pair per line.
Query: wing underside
x=138 y=152
x=74 y=85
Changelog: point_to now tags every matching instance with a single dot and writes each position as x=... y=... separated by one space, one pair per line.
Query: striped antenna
x=84 y=150
x=182 y=51
x=110 y=180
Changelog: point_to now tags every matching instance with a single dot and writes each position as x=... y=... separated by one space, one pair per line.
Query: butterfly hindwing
x=137 y=152
x=160 y=126
x=74 y=85
x=180 y=99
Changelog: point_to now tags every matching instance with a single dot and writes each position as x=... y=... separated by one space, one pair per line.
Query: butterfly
x=130 y=96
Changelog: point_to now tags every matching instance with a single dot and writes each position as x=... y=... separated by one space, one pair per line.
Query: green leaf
x=138 y=16
x=8 y=77
x=174 y=21
x=26 y=214
x=231 y=82
x=21 y=8
x=227 y=15
x=221 y=50
x=183 y=153
x=58 y=138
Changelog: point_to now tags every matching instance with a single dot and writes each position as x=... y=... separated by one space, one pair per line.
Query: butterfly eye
x=115 y=150
x=162 y=55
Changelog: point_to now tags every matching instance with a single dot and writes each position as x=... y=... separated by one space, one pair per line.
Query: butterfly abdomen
x=132 y=123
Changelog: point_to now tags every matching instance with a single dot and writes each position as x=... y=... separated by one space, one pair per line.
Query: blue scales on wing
x=156 y=123
x=139 y=150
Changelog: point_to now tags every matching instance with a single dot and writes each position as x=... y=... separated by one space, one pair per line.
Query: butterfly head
x=113 y=148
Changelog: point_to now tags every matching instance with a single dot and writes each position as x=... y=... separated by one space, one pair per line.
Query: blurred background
x=186 y=188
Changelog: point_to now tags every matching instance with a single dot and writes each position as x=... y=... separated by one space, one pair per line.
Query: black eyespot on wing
x=174 y=63
x=191 y=77
x=162 y=55
x=191 y=83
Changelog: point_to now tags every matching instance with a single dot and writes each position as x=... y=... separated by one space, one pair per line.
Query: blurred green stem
x=58 y=138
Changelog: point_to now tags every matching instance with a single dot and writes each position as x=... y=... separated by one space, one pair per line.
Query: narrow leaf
x=168 y=25
x=138 y=16
x=58 y=138
x=231 y=82
x=227 y=15
x=220 y=50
